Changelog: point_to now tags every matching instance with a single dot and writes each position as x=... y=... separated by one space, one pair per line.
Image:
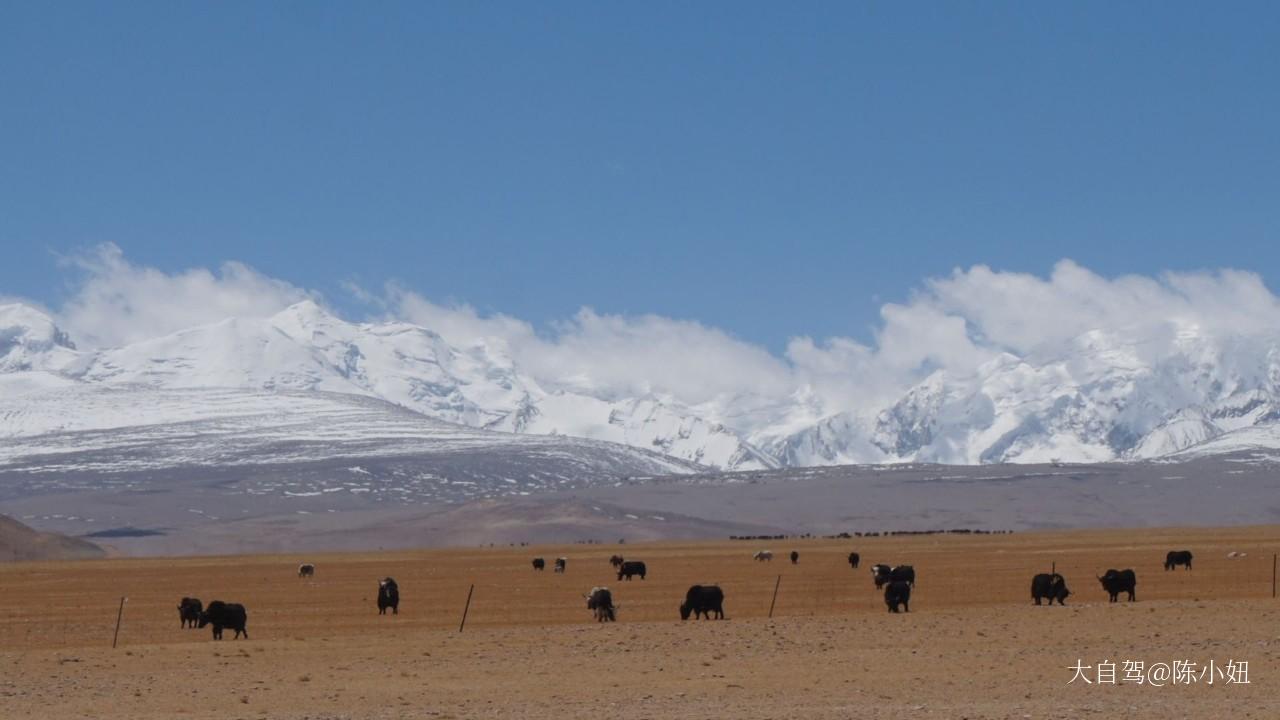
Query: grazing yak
x=1119 y=581
x=189 y=610
x=616 y=561
x=600 y=603
x=880 y=574
x=854 y=559
x=1176 y=558
x=795 y=557
x=763 y=555
x=702 y=600
x=539 y=564
x=905 y=573
x=898 y=593
x=884 y=574
x=560 y=563
x=388 y=596
x=306 y=570
x=629 y=568
x=1049 y=587
x=225 y=615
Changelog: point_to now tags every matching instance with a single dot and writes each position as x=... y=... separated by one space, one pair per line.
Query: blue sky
x=771 y=169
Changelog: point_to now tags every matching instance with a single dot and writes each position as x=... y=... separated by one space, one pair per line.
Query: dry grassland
x=973 y=646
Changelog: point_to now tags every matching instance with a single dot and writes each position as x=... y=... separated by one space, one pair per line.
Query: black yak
x=631 y=567
x=1049 y=587
x=905 y=573
x=1119 y=581
x=898 y=593
x=600 y=603
x=701 y=601
x=880 y=574
x=189 y=610
x=388 y=596
x=1176 y=558
x=225 y=615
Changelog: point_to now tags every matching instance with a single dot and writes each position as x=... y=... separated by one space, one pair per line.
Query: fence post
x=1273 y=575
x=119 y=617
x=775 y=596
x=466 y=608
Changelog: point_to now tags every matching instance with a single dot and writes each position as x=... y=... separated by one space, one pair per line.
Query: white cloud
x=956 y=323
x=611 y=355
x=117 y=302
x=1029 y=315
x=460 y=324
x=648 y=353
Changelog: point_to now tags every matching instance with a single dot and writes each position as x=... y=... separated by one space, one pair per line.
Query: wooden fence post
x=119 y=617
x=466 y=608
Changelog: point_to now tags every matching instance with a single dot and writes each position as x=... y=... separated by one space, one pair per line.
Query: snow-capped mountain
x=121 y=429
x=839 y=439
x=30 y=340
x=306 y=348
x=642 y=422
x=1100 y=397
x=1101 y=401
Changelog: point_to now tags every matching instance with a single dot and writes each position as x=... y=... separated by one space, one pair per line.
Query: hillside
x=19 y=542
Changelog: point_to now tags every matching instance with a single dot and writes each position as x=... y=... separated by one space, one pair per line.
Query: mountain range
x=1100 y=398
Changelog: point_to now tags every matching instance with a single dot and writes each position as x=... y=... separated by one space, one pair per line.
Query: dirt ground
x=973 y=645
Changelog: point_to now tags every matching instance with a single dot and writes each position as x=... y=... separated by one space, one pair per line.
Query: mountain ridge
x=1098 y=398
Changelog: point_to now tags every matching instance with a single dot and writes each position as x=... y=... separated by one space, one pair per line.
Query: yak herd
x=219 y=614
x=701 y=601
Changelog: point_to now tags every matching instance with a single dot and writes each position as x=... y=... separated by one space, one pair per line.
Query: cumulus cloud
x=1029 y=315
x=117 y=302
x=955 y=323
x=461 y=324
x=611 y=355
x=656 y=354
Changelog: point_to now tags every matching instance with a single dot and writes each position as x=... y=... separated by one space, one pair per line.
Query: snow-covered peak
x=305 y=317
x=236 y=352
x=24 y=324
x=1098 y=396
x=645 y=422
x=31 y=340
x=308 y=348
